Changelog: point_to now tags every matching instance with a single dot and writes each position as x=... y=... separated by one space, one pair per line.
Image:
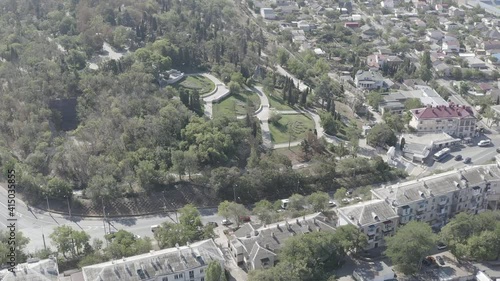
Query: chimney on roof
x=272 y=235
x=314 y=220
x=309 y=228
x=304 y=218
x=267 y=246
x=256 y=233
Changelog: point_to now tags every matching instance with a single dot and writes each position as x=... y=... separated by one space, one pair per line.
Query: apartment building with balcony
x=375 y=218
x=455 y=120
x=257 y=247
x=437 y=198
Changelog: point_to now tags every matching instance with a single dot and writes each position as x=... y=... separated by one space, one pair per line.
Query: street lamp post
x=234 y=192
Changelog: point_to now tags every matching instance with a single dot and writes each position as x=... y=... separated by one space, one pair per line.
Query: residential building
x=352 y=24
x=442 y=68
x=455 y=120
x=375 y=218
x=369 y=80
x=449 y=26
x=395 y=102
x=180 y=263
x=450 y=44
x=475 y=63
x=456 y=12
x=378 y=61
x=258 y=247
x=437 y=198
x=418 y=147
x=267 y=13
x=33 y=269
x=490 y=45
x=388 y=4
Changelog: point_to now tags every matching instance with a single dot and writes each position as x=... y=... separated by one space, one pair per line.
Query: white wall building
x=455 y=120
x=185 y=263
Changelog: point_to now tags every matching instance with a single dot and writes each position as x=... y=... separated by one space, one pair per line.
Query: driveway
x=221 y=240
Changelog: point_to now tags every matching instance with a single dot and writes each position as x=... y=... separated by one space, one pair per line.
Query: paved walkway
x=264 y=111
x=221 y=91
x=236 y=272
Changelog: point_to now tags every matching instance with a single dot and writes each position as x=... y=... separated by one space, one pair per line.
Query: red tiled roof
x=441 y=111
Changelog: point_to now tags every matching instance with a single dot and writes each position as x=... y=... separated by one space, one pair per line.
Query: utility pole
x=43 y=238
x=69 y=207
x=234 y=192
x=48 y=206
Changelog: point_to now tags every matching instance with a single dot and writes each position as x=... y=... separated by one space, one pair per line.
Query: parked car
x=441 y=246
x=467 y=160
x=154 y=227
x=484 y=143
x=458 y=157
x=226 y=222
x=332 y=203
x=245 y=218
x=212 y=223
x=440 y=260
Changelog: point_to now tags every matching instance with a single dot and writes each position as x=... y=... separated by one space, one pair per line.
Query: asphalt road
x=36 y=224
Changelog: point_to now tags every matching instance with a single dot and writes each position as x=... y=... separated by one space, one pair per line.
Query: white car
x=332 y=203
x=226 y=222
x=484 y=143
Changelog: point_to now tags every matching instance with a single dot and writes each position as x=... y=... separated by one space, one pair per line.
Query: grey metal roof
x=273 y=236
x=369 y=212
x=155 y=263
x=43 y=270
x=407 y=192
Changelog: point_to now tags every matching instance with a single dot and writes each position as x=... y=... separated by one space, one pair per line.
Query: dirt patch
x=347 y=112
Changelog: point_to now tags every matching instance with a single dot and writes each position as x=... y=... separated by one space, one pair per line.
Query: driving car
x=331 y=203
x=226 y=222
x=458 y=157
x=484 y=143
x=441 y=246
x=467 y=160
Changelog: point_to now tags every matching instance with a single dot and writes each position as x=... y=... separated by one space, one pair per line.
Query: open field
x=298 y=123
x=237 y=104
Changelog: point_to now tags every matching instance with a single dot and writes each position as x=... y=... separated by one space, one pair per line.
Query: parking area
x=468 y=154
x=445 y=267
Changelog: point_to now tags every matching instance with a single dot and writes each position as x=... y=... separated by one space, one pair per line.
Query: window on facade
x=431 y=216
x=180 y=275
x=176 y=276
x=202 y=279
x=201 y=270
x=164 y=279
x=191 y=274
x=465 y=206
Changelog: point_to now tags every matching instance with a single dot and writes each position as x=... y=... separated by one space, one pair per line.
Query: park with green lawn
x=236 y=104
x=196 y=82
x=290 y=127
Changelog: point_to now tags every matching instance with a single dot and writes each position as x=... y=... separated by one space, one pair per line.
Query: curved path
x=220 y=92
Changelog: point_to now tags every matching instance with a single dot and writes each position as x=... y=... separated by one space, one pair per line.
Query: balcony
x=476 y=190
x=371 y=230
x=371 y=238
x=443 y=202
x=421 y=208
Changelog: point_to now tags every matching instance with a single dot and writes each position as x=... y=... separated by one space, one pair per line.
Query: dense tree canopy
x=416 y=238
